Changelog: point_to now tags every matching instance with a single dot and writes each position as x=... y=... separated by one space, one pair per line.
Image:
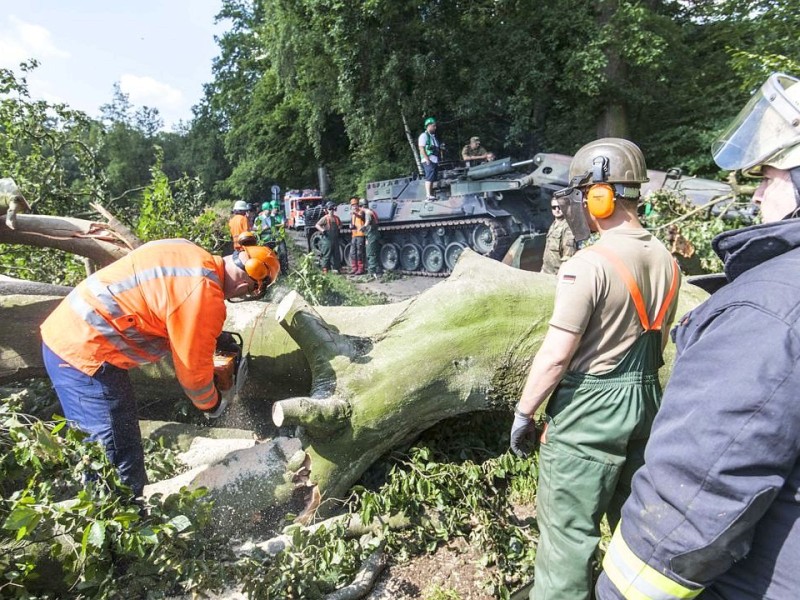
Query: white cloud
x=20 y=41
x=147 y=91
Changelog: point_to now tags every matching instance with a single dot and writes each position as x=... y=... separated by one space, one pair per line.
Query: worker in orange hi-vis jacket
x=238 y=223
x=165 y=297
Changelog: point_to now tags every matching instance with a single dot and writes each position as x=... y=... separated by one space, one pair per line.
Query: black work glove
x=523 y=434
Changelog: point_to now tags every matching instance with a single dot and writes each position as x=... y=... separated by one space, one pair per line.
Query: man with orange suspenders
x=357 y=234
x=598 y=365
x=165 y=297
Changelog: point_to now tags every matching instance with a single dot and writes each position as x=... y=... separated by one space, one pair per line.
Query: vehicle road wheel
x=433 y=258
x=347 y=256
x=390 y=257
x=483 y=239
x=316 y=243
x=410 y=257
x=451 y=254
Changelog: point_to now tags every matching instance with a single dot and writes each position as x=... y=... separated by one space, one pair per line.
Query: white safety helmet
x=241 y=205
x=765 y=132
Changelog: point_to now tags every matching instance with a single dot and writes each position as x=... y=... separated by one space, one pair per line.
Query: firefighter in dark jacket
x=715 y=511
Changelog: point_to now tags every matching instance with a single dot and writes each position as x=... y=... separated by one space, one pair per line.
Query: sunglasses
x=555 y=207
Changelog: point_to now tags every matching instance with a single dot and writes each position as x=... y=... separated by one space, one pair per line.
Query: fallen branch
x=364 y=580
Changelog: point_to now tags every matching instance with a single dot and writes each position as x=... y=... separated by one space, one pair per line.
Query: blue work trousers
x=103 y=406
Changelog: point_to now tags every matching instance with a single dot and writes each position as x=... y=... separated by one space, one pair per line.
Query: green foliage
x=326 y=289
x=445 y=500
x=49 y=151
x=168 y=214
x=439 y=593
x=450 y=485
x=68 y=526
x=670 y=218
x=317 y=563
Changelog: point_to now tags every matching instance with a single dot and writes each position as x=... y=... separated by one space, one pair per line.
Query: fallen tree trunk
x=366 y=380
x=96 y=241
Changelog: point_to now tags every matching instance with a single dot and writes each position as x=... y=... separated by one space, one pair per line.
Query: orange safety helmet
x=260 y=263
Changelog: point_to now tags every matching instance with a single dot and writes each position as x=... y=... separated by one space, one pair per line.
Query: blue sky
x=159 y=51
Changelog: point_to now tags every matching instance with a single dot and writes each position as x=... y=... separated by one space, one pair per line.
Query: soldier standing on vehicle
x=714 y=512
x=429 y=151
x=598 y=364
x=358 y=247
x=474 y=154
x=329 y=226
x=373 y=239
x=560 y=244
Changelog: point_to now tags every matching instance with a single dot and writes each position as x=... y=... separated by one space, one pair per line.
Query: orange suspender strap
x=633 y=288
x=673 y=288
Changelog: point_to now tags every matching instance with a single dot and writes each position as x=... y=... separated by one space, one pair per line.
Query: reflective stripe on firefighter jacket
x=165 y=295
x=238 y=224
x=716 y=506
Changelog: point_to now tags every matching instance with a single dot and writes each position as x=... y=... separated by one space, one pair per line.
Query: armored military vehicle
x=486 y=208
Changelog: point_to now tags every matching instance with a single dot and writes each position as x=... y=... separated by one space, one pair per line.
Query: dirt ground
x=452 y=568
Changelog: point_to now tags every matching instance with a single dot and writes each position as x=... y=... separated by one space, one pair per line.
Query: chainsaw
x=230 y=367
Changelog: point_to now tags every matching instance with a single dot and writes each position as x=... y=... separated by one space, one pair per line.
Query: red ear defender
x=600 y=200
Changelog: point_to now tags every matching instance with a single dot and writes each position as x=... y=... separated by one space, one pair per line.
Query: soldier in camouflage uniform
x=560 y=243
x=473 y=153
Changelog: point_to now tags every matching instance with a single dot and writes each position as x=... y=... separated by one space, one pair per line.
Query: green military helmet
x=265 y=205
x=430 y=121
x=609 y=160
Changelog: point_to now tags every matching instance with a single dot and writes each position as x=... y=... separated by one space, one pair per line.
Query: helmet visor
x=767 y=124
x=570 y=200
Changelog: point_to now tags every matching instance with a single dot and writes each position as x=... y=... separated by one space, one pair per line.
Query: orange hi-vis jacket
x=164 y=296
x=238 y=224
x=357 y=221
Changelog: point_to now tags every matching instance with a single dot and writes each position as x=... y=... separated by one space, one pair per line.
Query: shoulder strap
x=633 y=288
x=673 y=287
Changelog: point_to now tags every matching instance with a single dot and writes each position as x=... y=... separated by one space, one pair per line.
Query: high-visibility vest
x=357 y=222
x=164 y=296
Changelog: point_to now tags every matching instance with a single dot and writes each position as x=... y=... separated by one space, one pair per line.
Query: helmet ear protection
x=253 y=267
x=600 y=196
x=600 y=200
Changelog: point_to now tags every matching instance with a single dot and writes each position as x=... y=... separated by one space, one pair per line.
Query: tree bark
x=96 y=241
x=367 y=379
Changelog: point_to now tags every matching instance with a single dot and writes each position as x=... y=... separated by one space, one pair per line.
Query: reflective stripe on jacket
x=165 y=295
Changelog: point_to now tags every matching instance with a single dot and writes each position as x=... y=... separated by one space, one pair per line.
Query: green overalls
x=329 y=243
x=596 y=430
x=373 y=244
